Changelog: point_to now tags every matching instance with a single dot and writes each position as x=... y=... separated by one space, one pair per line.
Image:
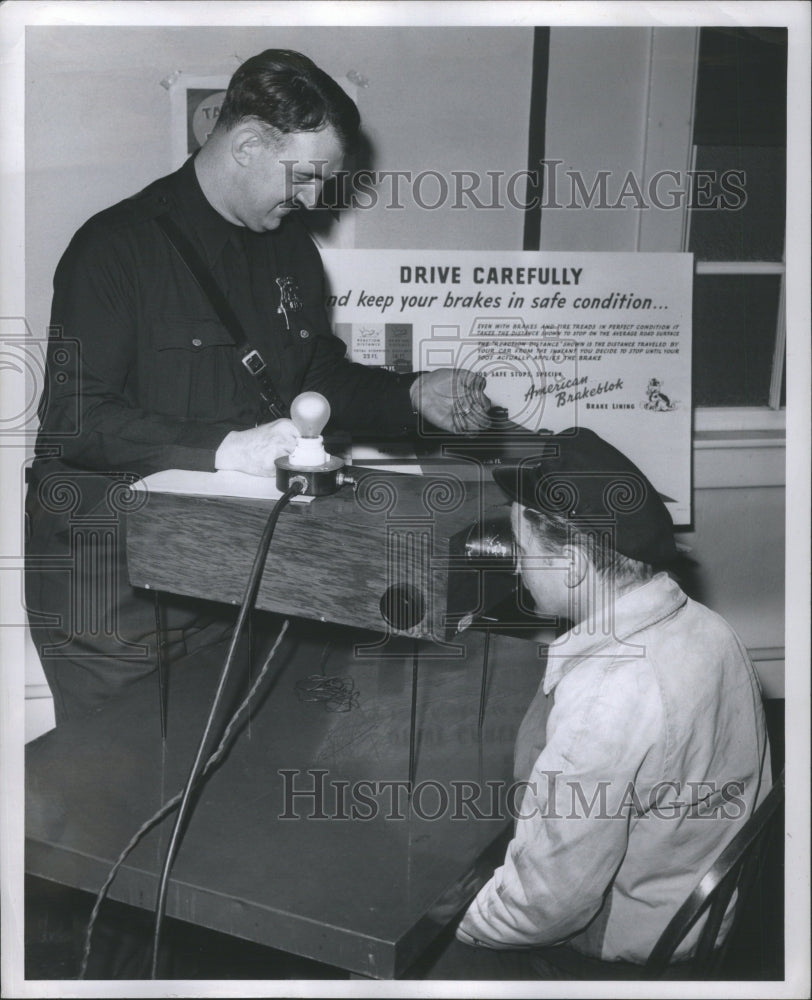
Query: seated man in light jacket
x=654 y=750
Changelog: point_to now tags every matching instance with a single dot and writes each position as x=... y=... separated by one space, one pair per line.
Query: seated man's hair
x=558 y=531
x=289 y=93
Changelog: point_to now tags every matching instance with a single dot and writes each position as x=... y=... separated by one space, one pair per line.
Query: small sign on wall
x=196 y=103
x=202 y=111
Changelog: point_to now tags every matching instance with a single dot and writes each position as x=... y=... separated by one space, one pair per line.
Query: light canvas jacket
x=654 y=754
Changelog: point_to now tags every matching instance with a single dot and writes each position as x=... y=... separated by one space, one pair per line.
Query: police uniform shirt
x=148 y=377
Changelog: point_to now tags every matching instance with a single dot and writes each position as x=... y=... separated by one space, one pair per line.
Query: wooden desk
x=348 y=881
x=354 y=893
x=335 y=559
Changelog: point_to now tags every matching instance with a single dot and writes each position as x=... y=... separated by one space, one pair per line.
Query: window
x=736 y=221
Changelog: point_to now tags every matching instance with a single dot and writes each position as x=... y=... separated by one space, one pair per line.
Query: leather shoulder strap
x=250 y=356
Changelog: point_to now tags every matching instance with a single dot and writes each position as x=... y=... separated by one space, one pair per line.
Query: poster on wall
x=601 y=340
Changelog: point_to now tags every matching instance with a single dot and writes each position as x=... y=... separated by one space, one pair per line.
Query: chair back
x=735 y=870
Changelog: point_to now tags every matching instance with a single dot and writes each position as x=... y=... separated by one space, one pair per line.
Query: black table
x=348 y=877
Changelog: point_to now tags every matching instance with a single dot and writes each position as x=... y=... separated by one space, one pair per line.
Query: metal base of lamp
x=317 y=480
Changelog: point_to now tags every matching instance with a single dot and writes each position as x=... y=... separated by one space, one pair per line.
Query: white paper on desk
x=213 y=484
x=372 y=457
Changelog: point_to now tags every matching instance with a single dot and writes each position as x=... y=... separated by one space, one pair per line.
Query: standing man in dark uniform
x=150 y=378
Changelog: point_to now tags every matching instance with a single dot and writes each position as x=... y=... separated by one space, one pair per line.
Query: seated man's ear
x=578 y=565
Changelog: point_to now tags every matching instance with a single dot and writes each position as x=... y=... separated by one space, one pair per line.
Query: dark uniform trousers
x=96 y=634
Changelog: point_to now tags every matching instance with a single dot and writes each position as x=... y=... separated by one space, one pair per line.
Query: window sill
x=739 y=448
x=742 y=420
x=704 y=440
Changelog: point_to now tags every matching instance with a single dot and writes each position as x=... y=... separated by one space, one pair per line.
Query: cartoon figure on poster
x=656 y=399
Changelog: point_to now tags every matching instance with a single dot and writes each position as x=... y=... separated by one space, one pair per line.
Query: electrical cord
x=169 y=805
x=248 y=601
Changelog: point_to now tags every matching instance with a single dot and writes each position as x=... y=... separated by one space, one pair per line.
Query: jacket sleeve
x=364 y=399
x=89 y=409
x=572 y=823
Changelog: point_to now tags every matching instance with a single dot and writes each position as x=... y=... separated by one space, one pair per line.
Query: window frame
x=674 y=110
x=746 y=418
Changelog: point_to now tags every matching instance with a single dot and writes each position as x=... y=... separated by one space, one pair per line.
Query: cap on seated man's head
x=579 y=476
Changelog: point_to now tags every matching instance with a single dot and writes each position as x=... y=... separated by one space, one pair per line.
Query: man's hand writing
x=452 y=399
x=255 y=449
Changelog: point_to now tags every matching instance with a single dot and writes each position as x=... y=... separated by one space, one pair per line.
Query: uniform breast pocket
x=299 y=343
x=192 y=372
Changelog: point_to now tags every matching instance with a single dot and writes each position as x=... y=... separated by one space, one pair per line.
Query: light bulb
x=308 y=465
x=310 y=411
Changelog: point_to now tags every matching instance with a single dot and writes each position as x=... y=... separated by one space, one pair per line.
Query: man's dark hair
x=288 y=92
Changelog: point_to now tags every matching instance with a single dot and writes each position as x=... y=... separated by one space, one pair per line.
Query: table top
x=349 y=878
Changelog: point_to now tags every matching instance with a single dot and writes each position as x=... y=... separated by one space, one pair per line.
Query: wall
x=97 y=121
x=738 y=540
x=596 y=99
x=618 y=100
x=97 y=129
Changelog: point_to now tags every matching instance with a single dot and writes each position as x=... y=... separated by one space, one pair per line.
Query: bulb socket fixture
x=318 y=480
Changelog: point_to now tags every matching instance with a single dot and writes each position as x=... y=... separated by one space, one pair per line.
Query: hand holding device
x=452 y=399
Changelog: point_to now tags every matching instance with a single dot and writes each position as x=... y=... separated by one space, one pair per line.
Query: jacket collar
x=634 y=611
x=210 y=228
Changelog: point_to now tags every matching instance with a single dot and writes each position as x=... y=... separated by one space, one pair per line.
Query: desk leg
x=483 y=691
x=483 y=695
x=163 y=671
x=413 y=720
